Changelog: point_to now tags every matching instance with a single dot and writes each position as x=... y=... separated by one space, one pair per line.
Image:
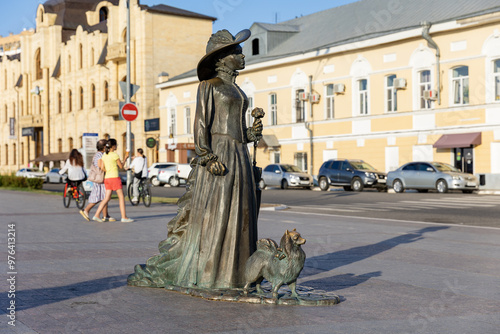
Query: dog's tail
x=267 y=245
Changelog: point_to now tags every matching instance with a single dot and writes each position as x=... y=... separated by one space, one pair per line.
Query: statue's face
x=236 y=60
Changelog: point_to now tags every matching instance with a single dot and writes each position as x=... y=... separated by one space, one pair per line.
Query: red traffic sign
x=129 y=112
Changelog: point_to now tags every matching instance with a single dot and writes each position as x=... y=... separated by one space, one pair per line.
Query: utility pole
x=310 y=124
x=127 y=97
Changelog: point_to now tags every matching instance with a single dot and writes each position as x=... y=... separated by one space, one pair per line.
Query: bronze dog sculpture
x=278 y=265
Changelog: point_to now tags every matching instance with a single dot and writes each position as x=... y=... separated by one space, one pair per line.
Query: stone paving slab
x=392 y=276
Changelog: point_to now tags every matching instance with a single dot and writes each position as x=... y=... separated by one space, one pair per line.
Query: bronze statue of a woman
x=215 y=230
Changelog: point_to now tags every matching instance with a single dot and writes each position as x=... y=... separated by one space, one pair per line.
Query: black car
x=350 y=174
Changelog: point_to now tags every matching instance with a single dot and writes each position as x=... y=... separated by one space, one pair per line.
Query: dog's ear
x=286 y=232
x=294 y=230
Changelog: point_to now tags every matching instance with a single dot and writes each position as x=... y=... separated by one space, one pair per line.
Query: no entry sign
x=129 y=112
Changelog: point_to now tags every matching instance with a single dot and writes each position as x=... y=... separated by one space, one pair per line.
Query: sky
x=233 y=15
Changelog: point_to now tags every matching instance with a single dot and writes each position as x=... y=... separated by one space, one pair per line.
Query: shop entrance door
x=464 y=159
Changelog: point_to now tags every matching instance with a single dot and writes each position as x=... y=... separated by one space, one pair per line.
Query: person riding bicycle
x=139 y=165
x=74 y=166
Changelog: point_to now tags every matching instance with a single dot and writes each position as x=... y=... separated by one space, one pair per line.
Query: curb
x=273 y=207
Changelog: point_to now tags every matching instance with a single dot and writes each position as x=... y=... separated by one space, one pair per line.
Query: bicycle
x=74 y=190
x=144 y=192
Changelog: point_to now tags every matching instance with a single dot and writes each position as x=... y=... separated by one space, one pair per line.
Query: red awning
x=458 y=140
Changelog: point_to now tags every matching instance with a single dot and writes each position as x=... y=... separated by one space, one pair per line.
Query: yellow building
x=369 y=80
x=62 y=80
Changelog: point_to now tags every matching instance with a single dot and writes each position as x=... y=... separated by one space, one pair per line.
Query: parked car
x=425 y=176
x=53 y=176
x=350 y=174
x=154 y=169
x=285 y=176
x=174 y=175
x=30 y=173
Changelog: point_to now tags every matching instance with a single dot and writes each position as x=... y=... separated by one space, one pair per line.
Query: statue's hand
x=257 y=127
x=216 y=168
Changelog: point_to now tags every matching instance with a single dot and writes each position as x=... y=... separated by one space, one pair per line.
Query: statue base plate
x=307 y=296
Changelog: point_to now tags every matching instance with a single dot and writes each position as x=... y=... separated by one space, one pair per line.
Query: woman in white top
x=74 y=166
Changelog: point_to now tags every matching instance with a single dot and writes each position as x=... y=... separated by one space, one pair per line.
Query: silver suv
x=154 y=169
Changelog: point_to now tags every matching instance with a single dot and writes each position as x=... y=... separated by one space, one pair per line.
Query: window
x=255 y=47
x=187 y=115
x=70 y=101
x=424 y=83
x=363 y=96
x=391 y=96
x=59 y=103
x=22 y=154
x=173 y=124
x=6 y=154
x=59 y=145
x=329 y=102
x=103 y=14
x=300 y=107
x=248 y=114
x=14 y=157
x=38 y=65
x=106 y=91
x=301 y=161
x=81 y=55
x=92 y=91
x=496 y=74
x=460 y=85
x=81 y=98
x=273 y=107
x=70 y=143
x=276 y=157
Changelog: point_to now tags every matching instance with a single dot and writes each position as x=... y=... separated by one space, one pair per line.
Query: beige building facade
x=373 y=93
x=63 y=80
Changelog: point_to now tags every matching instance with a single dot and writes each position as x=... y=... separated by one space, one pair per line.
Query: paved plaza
x=392 y=276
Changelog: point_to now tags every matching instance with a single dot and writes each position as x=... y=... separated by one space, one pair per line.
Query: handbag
x=96 y=175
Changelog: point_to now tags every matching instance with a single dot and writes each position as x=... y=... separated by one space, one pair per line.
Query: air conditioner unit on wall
x=315 y=98
x=303 y=96
x=430 y=95
x=400 y=83
x=339 y=89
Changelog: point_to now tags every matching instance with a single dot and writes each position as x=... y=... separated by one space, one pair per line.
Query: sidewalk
x=393 y=277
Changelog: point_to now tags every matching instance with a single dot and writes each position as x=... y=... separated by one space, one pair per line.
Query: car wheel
x=174 y=181
x=262 y=184
x=347 y=188
x=154 y=181
x=323 y=183
x=398 y=186
x=357 y=184
x=442 y=186
x=284 y=184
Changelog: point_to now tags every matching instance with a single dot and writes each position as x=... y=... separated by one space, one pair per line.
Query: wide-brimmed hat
x=218 y=42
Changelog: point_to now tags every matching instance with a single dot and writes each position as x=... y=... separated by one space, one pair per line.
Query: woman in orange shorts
x=110 y=162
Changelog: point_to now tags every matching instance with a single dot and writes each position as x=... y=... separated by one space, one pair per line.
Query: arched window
x=103 y=14
x=14 y=150
x=59 y=103
x=106 y=91
x=40 y=15
x=70 y=101
x=81 y=98
x=460 y=85
x=70 y=143
x=21 y=154
x=363 y=96
x=81 y=55
x=424 y=83
x=38 y=65
x=6 y=154
x=92 y=90
x=59 y=145
x=124 y=35
x=255 y=46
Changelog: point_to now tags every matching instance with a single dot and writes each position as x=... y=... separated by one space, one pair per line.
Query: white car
x=174 y=175
x=154 y=169
x=53 y=176
x=30 y=173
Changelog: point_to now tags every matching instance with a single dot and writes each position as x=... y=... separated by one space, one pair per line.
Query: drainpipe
x=432 y=44
x=309 y=125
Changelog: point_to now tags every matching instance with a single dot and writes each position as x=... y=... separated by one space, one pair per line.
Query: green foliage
x=12 y=181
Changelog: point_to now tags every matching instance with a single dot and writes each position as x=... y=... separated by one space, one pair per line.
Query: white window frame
x=273 y=109
x=303 y=106
x=362 y=96
x=329 y=102
x=303 y=161
x=391 y=97
x=423 y=86
x=496 y=81
x=248 y=114
x=173 y=122
x=275 y=156
x=458 y=85
x=187 y=120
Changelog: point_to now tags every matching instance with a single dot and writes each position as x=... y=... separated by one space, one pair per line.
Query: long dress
x=215 y=230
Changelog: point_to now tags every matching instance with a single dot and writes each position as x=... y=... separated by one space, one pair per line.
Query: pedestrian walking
x=99 y=190
x=140 y=167
x=110 y=162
